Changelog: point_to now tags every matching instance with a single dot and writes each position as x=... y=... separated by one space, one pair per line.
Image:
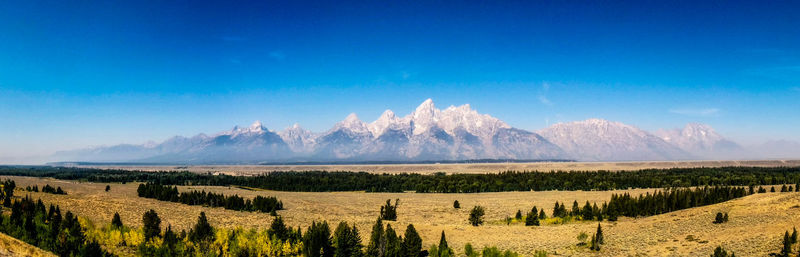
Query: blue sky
x=76 y=74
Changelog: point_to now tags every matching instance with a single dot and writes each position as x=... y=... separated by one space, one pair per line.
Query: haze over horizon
x=79 y=74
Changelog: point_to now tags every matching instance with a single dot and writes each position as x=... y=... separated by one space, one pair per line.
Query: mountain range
x=427 y=134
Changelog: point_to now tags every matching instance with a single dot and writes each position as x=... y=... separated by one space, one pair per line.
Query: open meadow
x=756 y=225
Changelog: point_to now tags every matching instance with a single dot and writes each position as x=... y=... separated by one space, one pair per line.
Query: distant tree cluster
x=389 y=211
x=46 y=228
x=720 y=218
x=321 y=181
x=233 y=202
x=49 y=189
x=670 y=200
x=533 y=216
x=643 y=205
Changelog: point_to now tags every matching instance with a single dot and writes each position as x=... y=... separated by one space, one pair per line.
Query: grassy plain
x=755 y=229
x=455 y=168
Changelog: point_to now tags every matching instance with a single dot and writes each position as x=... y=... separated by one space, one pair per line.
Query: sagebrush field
x=687 y=232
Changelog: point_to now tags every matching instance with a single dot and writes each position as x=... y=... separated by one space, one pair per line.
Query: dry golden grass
x=10 y=246
x=458 y=168
x=755 y=228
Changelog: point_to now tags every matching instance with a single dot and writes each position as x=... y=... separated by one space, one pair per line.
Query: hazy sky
x=80 y=73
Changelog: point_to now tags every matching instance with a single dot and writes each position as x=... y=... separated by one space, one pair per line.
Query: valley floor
x=756 y=225
x=456 y=167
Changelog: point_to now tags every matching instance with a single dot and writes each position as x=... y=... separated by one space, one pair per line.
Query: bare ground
x=756 y=225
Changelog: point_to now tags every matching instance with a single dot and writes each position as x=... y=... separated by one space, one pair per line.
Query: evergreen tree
x=542 y=215
x=518 y=216
x=317 y=241
x=587 y=211
x=456 y=205
x=394 y=245
x=599 y=235
x=108 y=188
x=151 y=225
x=784 y=189
x=531 y=219
x=794 y=235
x=556 y=208
x=278 y=229
x=170 y=238
x=476 y=216
x=346 y=241
x=761 y=190
x=772 y=189
x=593 y=245
x=575 y=209
x=444 y=250
x=412 y=243
x=389 y=211
x=202 y=230
x=116 y=222
x=787 y=245
x=375 y=246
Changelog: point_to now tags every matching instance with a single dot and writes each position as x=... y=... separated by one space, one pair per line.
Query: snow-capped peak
x=387 y=120
x=424 y=117
x=352 y=123
x=257 y=126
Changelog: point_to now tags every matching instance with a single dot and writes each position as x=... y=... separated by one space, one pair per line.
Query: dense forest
x=233 y=202
x=321 y=181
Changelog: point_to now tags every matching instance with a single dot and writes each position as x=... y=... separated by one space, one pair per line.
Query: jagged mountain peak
x=352 y=123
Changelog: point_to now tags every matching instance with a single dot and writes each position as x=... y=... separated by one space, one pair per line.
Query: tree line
x=232 y=202
x=322 y=181
x=647 y=204
x=47 y=188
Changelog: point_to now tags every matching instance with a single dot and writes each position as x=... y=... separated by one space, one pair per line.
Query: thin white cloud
x=696 y=112
x=796 y=89
x=543 y=94
x=543 y=99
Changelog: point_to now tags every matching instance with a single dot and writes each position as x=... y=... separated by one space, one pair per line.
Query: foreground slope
x=755 y=228
x=10 y=246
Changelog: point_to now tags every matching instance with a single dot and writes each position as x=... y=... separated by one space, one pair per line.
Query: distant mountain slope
x=602 y=140
x=703 y=141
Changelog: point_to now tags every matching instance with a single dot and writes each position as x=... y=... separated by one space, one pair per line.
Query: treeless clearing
x=755 y=228
x=454 y=168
